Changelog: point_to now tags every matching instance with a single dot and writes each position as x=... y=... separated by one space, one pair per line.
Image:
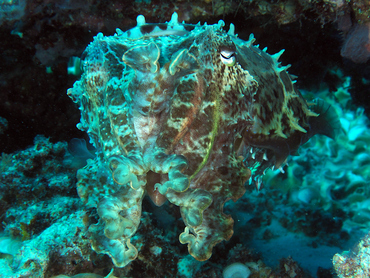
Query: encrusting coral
x=354 y=264
x=184 y=113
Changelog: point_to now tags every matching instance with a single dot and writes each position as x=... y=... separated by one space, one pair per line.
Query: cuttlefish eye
x=228 y=57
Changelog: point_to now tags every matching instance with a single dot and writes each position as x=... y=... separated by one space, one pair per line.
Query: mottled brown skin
x=187 y=118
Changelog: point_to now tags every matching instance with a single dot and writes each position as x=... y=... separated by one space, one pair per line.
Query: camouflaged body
x=184 y=113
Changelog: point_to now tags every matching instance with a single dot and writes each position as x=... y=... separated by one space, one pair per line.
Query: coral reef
x=236 y=270
x=361 y=10
x=288 y=11
x=34 y=173
x=357 y=44
x=187 y=118
x=338 y=184
x=60 y=247
x=310 y=210
x=356 y=263
x=12 y=10
x=38 y=207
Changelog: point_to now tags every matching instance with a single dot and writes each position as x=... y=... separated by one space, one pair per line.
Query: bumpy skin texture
x=184 y=113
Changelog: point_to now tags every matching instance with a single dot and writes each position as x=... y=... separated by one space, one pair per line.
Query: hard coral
x=357 y=44
x=361 y=10
x=356 y=264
